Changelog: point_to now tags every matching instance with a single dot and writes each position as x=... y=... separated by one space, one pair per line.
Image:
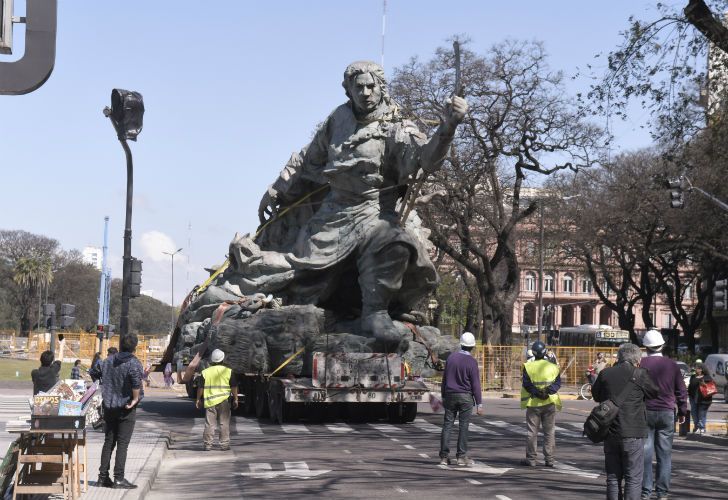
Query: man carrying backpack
x=627 y=385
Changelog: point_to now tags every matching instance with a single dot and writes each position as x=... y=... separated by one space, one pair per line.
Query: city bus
x=592 y=336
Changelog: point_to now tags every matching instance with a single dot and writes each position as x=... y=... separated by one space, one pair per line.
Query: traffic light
x=49 y=313
x=720 y=299
x=67 y=318
x=677 y=186
x=135 y=277
x=127 y=113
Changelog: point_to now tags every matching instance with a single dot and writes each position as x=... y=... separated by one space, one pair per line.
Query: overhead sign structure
x=34 y=68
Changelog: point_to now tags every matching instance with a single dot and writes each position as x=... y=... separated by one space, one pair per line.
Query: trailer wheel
x=401 y=413
x=261 y=400
x=191 y=389
x=249 y=397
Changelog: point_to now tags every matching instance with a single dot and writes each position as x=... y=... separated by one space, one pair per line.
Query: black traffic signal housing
x=135 y=277
x=49 y=316
x=720 y=297
x=127 y=113
x=67 y=317
x=677 y=188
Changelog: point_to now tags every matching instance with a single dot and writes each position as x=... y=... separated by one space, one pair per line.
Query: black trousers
x=118 y=427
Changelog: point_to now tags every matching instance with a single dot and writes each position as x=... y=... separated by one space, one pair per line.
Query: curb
x=151 y=467
x=720 y=440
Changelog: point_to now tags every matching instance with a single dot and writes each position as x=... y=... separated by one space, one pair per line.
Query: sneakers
x=528 y=463
x=105 y=482
x=208 y=448
x=444 y=461
x=465 y=462
x=123 y=484
x=549 y=464
x=225 y=447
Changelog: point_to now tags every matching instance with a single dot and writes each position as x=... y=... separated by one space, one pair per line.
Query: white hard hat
x=467 y=339
x=217 y=356
x=653 y=339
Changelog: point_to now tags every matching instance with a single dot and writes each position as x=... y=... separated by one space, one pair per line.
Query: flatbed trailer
x=353 y=386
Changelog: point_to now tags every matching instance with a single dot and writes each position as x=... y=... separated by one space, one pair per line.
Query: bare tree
x=521 y=127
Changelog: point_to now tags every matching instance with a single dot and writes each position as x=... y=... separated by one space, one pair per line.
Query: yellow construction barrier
x=501 y=367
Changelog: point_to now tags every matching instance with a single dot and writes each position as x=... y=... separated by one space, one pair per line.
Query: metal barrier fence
x=501 y=367
x=75 y=346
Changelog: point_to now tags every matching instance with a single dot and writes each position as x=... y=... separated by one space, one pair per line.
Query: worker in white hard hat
x=460 y=393
x=214 y=391
x=672 y=397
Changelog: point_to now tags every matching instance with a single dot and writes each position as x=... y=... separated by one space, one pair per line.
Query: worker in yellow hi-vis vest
x=217 y=383
x=540 y=399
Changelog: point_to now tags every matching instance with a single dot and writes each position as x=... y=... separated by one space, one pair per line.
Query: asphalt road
x=379 y=460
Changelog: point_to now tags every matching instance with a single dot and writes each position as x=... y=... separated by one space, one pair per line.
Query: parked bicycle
x=585 y=392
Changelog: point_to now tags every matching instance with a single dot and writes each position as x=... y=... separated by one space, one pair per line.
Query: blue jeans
x=623 y=463
x=461 y=405
x=660 y=431
x=701 y=415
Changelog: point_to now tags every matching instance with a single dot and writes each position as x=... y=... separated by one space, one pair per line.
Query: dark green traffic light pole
x=126 y=112
x=124 y=320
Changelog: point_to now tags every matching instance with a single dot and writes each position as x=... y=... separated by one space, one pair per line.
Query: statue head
x=365 y=86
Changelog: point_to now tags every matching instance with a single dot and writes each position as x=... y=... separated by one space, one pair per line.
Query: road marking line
x=472 y=481
x=567 y=432
x=424 y=455
x=426 y=426
x=295 y=429
x=478 y=467
x=260 y=467
x=395 y=440
x=510 y=427
x=409 y=447
x=703 y=477
x=347 y=452
x=198 y=426
x=563 y=468
x=502 y=497
x=399 y=489
x=339 y=428
x=482 y=430
x=386 y=428
x=247 y=426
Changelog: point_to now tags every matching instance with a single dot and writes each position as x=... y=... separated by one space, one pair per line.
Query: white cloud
x=154 y=243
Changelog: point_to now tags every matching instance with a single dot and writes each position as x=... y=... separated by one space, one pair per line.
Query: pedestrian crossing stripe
x=247 y=426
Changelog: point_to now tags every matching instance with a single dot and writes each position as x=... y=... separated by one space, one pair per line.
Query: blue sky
x=231 y=88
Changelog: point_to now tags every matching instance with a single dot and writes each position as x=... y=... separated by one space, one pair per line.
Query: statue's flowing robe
x=366 y=166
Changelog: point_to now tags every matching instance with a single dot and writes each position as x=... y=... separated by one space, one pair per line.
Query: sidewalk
x=144 y=458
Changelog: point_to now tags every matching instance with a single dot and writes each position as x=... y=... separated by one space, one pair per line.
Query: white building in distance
x=93 y=256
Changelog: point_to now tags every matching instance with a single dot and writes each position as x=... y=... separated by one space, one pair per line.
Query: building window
x=586 y=286
x=548 y=283
x=568 y=284
x=667 y=320
x=530 y=282
x=530 y=248
x=652 y=318
x=688 y=291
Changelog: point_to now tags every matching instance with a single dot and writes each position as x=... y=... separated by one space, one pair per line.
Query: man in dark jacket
x=628 y=385
x=661 y=414
x=121 y=391
x=46 y=376
x=460 y=389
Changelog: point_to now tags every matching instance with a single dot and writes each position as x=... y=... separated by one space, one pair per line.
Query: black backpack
x=597 y=424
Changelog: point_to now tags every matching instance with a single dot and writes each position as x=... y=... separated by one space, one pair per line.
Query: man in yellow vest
x=539 y=396
x=214 y=389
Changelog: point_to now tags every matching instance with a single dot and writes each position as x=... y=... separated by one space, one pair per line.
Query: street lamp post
x=172 y=254
x=540 y=264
